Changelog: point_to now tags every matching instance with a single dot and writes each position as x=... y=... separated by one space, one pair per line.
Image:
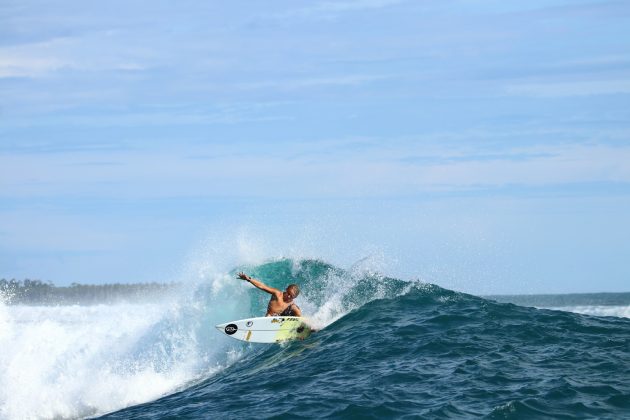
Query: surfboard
x=267 y=329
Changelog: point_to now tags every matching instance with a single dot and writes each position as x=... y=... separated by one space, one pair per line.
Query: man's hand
x=259 y=284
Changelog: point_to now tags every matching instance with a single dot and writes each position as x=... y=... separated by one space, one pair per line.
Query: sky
x=483 y=146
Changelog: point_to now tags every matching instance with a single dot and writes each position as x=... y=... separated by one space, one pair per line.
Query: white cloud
x=554 y=166
x=284 y=171
x=330 y=9
x=565 y=89
x=29 y=62
x=290 y=84
x=44 y=58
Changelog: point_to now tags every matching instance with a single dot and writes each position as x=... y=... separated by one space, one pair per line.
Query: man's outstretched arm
x=259 y=284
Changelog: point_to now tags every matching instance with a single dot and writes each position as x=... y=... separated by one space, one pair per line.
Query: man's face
x=288 y=295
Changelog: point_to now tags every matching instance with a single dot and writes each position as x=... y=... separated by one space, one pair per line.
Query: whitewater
x=387 y=348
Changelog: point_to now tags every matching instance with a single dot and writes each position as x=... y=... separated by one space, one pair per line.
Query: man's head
x=292 y=292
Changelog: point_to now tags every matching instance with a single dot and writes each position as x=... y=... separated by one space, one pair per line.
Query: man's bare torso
x=276 y=306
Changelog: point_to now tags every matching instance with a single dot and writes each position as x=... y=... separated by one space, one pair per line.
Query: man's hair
x=295 y=289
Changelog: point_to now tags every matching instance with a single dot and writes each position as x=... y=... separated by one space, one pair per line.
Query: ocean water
x=386 y=349
x=599 y=304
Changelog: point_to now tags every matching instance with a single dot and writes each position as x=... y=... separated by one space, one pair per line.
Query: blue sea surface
x=395 y=349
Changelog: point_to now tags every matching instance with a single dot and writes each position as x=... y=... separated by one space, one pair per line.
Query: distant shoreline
x=37 y=292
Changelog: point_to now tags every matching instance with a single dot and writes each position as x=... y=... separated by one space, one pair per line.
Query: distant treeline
x=37 y=292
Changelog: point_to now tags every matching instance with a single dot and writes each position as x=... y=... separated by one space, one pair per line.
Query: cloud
x=568 y=89
x=148 y=117
x=329 y=9
x=593 y=67
x=553 y=166
x=33 y=60
x=295 y=170
x=62 y=54
x=292 y=84
x=28 y=66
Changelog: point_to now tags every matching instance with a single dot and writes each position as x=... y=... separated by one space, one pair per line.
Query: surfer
x=281 y=303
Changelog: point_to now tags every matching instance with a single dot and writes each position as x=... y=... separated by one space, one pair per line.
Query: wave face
x=416 y=349
x=388 y=348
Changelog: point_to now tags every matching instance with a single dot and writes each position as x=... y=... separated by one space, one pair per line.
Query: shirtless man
x=281 y=303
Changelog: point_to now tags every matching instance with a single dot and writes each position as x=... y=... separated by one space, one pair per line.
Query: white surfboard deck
x=267 y=329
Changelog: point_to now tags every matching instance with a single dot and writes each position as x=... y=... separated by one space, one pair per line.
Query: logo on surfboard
x=231 y=329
